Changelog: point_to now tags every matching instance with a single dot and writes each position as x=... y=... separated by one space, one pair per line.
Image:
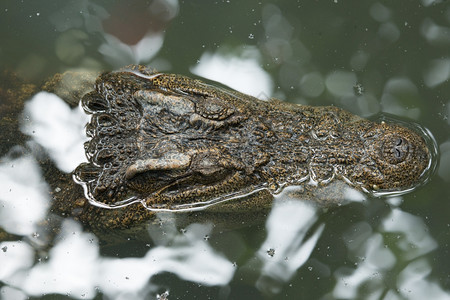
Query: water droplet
x=358 y=89
x=163 y=296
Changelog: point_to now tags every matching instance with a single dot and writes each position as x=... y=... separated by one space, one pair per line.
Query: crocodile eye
x=395 y=150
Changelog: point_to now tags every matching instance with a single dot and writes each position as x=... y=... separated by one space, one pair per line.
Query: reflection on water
x=74 y=267
x=401 y=240
x=134 y=31
x=434 y=33
x=47 y=116
x=444 y=169
x=240 y=72
x=23 y=195
x=289 y=247
x=437 y=73
x=367 y=58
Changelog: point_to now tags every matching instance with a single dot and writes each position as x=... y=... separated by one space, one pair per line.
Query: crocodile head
x=171 y=142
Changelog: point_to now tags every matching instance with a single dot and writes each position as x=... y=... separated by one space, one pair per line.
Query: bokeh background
x=368 y=57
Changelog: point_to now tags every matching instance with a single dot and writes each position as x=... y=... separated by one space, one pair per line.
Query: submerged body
x=162 y=142
x=167 y=142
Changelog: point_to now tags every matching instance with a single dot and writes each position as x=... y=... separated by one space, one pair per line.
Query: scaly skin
x=168 y=142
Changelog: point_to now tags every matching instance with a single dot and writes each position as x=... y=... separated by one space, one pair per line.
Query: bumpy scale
x=171 y=142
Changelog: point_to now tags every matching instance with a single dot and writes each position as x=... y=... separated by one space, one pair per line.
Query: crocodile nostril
x=395 y=150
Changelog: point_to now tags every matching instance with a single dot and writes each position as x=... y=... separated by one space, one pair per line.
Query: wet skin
x=168 y=142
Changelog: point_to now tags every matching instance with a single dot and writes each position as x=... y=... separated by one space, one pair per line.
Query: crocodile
x=167 y=143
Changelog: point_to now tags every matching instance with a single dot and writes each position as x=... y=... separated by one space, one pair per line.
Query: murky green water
x=364 y=56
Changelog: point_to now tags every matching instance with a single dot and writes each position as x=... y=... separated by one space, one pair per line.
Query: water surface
x=368 y=57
